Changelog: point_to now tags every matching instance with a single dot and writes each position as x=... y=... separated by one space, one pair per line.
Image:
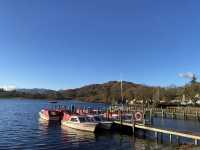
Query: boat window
x=85 y=119
x=97 y=118
x=74 y=119
x=82 y=119
x=90 y=119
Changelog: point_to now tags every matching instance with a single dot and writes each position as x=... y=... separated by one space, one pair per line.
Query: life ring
x=138 y=116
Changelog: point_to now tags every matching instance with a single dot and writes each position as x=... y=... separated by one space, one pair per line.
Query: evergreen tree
x=194 y=79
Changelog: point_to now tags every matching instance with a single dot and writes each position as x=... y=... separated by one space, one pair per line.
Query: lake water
x=21 y=128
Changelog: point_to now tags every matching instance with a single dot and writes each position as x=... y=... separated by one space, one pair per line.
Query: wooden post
x=170 y=138
x=161 y=137
x=121 y=116
x=144 y=132
x=144 y=118
x=151 y=116
x=195 y=142
x=71 y=107
x=133 y=128
x=178 y=139
x=156 y=136
x=162 y=113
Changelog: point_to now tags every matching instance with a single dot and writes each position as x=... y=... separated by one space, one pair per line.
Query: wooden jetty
x=185 y=113
x=160 y=131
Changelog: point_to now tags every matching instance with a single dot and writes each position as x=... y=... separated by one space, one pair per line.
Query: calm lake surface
x=21 y=128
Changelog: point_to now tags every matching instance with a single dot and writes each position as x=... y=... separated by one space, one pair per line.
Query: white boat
x=83 y=123
x=102 y=123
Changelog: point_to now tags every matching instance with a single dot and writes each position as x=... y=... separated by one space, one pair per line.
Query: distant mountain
x=35 y=93
x=35 y=90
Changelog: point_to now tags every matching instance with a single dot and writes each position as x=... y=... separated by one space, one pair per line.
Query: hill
x=108 y=92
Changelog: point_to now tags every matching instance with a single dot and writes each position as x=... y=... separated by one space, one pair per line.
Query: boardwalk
x=162 y=131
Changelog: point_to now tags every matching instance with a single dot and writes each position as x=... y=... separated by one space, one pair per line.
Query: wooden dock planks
x=169 y=132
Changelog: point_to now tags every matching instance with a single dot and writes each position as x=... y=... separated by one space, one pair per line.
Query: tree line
x=110 y=92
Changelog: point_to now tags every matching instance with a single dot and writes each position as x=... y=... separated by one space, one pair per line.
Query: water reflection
x=77 y=135
x=182 y=125
x=48 y=129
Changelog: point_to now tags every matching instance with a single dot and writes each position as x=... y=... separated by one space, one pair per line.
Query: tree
x=194 y=79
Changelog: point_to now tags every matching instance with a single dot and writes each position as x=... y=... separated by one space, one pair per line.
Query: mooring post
x=156 y=136
x=170 y=138
x=72 y=108
x=162 y=113
x=121 y=116
x=150 y=117
x=133 y=128
x=195 y=142
x=144 y=133
x=178 y=139
x=161 y=137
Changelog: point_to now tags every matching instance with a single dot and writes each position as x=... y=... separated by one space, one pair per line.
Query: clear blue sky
x=69 y=43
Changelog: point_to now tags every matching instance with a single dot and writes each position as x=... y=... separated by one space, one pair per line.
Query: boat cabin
x=80 y=119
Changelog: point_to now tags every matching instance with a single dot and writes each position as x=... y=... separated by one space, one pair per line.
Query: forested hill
x=108 y=92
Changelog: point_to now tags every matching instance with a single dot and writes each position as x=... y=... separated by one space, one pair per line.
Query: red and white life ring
x=138 y=116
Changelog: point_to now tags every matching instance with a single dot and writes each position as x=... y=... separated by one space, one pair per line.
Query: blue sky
x=67 y=44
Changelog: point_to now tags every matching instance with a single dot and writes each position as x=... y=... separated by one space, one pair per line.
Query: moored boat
x=50 y=115
x=103 y=124
x=83 y=123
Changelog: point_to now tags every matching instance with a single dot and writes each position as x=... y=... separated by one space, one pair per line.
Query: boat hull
x=91 y=127
x=105 y=125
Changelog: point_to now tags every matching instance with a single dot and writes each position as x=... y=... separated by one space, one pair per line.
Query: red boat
x=50 y=115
